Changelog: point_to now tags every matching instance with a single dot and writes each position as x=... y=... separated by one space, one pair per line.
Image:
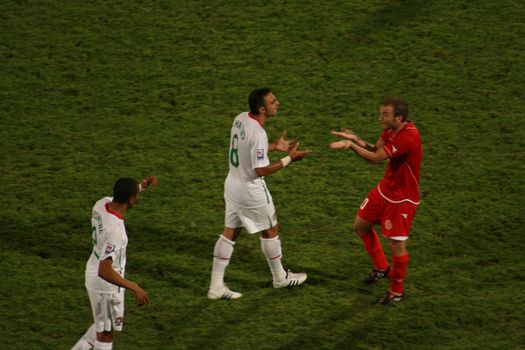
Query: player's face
x=387 y=118
x=271 y=104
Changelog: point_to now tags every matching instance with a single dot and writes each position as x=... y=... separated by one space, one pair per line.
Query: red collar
x=108 y=209
x=254 y=117
x=404 y=125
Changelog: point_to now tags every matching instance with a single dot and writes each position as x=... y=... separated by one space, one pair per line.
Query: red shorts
x=395 y=218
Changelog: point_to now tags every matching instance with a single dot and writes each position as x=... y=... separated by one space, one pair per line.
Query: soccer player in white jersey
x=249 y=204
x=105 y=282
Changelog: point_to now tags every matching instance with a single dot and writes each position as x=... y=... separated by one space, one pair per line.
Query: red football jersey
x=401 y=180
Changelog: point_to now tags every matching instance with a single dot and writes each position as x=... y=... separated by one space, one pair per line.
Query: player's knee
x=397 y=248
x=271 y=232
x=106 y=337
x=362 y=227
x=356 y=227
x=231 y=233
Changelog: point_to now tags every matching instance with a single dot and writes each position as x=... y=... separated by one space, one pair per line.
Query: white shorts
x=253 y=220
x=108 y=310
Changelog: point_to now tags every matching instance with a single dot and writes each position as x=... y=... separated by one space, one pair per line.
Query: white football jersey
x=248 y=151
x=109 y=240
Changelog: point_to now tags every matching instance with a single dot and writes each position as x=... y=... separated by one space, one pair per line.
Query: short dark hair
x=256 y=99
x=124 y=189
x=400 y=106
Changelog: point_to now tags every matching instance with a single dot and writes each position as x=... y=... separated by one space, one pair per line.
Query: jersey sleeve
x=110 y=246
x=401 y=144
x=259 y=150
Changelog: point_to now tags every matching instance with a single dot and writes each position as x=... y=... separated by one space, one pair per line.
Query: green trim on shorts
x=266 y=193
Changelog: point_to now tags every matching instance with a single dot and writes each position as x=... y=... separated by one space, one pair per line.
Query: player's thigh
x=396 y=220
x=108 y=311
x=231 y=216
x=259 y=219
x=117 y=310
x=369 y=211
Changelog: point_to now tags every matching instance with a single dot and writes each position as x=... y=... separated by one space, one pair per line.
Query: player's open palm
x=296 y=154
x=284 y=145
x=346 y=134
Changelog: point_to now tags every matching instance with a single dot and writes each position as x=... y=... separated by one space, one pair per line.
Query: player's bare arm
x=350 y=135
x=106 y=272
x=294 y=154
x=281 y=144
x=373 y=157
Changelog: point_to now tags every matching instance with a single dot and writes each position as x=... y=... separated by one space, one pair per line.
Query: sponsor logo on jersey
x=110 y=248
x=260 y=154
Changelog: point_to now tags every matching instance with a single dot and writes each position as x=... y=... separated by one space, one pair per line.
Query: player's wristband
x=286 y=160
x=142 y=186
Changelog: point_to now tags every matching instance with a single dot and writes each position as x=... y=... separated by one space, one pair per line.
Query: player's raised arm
x=147 y=181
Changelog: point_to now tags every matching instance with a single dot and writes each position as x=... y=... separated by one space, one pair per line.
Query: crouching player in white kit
x=105 y=282
x=249 y=204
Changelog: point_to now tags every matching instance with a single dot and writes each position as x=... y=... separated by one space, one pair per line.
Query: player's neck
x=260 y=118
x=399 y=127
x=118 y=208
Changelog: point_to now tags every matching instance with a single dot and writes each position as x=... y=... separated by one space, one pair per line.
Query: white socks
x=87 y=341
x=102 y=346
x=222 y=253
x=271 y=248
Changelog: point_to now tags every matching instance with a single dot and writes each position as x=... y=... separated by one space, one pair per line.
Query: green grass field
x=93 y=90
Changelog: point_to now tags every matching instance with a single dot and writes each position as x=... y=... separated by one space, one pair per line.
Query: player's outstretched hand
x=284 y=145
x=295 y=154
x=345 y=133
x=341 y=144
x=150 y=180
x=140 y=295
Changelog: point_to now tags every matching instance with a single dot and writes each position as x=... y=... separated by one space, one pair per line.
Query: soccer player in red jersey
x=393 y=202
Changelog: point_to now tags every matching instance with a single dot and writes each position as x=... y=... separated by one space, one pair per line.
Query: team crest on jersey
x=260 y=154
x=110 y=248
x=388 y=224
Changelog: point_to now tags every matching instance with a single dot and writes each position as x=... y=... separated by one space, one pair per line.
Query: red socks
x=398 y=273
x=399 y=263
x=375 y=251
